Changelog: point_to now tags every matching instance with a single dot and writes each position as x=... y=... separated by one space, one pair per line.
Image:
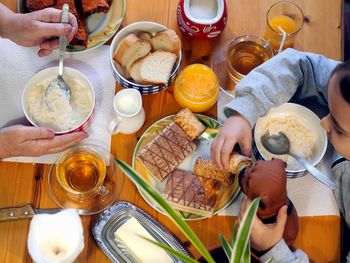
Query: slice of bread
x=131 y=49
x=145 y=36
x=155 y=68
x=166 y=40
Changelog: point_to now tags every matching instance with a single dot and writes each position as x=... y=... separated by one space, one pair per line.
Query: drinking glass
x=286 y=16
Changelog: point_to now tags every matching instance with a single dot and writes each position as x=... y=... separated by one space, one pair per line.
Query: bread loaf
x=131 y=49
x=167 y=41
x=155 y=68
x=145 y=36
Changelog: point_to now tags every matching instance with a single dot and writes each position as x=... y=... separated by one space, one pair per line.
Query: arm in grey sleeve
x=290 y=75
x=281 y=253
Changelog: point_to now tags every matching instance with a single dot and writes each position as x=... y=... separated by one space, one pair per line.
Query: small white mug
x=127 y=105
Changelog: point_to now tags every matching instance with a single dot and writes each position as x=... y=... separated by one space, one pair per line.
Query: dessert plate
x=203 y=142
x=101 y=27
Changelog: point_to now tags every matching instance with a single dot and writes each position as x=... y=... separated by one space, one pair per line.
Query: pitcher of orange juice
x=283 y=16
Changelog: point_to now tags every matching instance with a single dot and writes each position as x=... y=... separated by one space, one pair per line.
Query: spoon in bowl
x=278 y=143
x=58 y=93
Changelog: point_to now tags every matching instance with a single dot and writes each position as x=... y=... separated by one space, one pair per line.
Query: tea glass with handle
x=84 y=178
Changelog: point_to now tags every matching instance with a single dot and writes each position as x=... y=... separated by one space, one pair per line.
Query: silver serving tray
x=114 y=216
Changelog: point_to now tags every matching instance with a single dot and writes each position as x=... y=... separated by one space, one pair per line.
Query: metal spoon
x=58 y=84
x=278 y=143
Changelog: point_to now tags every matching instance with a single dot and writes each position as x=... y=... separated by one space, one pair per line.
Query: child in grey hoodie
x=321 y=84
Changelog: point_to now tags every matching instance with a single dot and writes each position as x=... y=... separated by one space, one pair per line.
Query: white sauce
x=67 y=114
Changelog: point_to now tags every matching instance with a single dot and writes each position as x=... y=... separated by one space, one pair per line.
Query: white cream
x=203 y=9
x=127 y=105
x=67 y=114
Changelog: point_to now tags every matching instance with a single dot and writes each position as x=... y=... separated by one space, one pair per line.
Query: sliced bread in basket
x=155 y=68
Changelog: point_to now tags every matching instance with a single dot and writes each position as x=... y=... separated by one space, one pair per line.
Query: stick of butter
x=129 y=234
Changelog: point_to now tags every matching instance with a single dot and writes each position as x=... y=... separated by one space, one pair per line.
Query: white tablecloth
x=18 y=64
x=310 y=197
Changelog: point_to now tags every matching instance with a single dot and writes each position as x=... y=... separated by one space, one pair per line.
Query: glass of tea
x=84 y=177
x=283 y=16
x=236 y=57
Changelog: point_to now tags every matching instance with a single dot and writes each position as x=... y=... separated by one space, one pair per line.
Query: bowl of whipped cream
x=70 y=114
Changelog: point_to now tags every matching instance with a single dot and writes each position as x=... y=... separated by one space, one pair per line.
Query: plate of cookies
x=173 y=155
x=98 y=20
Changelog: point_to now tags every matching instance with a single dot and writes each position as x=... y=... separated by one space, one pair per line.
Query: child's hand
x=264 y=236
x=236 y=129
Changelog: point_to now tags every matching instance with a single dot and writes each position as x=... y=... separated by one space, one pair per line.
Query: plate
x=114 y=216
x=306 y=118
x=203 y=142
x=101 y=27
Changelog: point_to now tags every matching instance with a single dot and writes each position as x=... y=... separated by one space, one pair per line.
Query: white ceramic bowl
x=137 y=28
x=309 y=120
x=47 y=75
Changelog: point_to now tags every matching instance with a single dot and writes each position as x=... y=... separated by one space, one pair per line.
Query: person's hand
x=265 y=236
x=19 y=140
x=37 y=28
x=236 y=129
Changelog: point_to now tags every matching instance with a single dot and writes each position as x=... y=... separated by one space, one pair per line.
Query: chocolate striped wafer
x=166 y=151
x=188 y=192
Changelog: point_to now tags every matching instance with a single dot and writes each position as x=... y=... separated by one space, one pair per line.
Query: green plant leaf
x=233 y=234
x=174 y=252
x=226 y=246
x=244 y=230
x=173 y=215
x=246 y=256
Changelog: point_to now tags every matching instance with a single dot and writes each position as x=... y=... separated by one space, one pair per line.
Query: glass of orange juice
x=196 y=88
x=289 y=17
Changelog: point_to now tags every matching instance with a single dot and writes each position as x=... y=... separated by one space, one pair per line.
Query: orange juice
x=196 y=88
x=275 y=35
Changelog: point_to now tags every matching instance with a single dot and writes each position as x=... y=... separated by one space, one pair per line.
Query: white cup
x=130 y=115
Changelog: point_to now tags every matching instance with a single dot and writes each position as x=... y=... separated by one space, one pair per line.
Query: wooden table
x=23 y=183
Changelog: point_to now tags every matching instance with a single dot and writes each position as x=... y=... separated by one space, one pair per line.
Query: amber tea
x=81 y=172
x=246 y=55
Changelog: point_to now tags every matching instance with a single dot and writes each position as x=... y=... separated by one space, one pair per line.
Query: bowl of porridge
x=303 y=128
x=67 y=115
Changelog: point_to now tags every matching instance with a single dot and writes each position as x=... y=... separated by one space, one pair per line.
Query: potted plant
x=237 y=249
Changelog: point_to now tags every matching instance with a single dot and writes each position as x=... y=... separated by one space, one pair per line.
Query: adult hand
x=37 y=28
x=19 y=140
x=236 y=129
x=264 y=236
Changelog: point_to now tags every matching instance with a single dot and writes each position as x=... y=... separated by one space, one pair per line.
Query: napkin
x=19 y=64
x=309 y=196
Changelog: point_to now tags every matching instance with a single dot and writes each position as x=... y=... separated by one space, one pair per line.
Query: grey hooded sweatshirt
x=299 y=77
